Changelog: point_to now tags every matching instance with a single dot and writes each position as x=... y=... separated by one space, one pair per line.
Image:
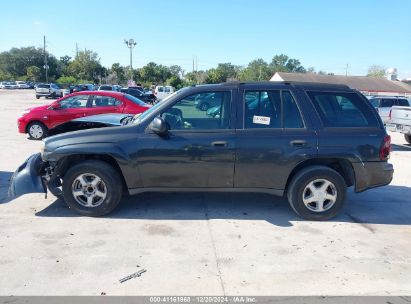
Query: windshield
x=136 y=100
x=154 y=108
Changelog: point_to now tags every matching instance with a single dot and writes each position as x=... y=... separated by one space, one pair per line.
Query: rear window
x=136 y=100
x=343 y=109
x=106 y=88
x=43 y=86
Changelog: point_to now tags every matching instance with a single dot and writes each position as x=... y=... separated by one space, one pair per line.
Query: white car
x=400 y=121
x=8 y=85
x=48 y=90
x=383 y=105
x=162 y=92
x=22 y=85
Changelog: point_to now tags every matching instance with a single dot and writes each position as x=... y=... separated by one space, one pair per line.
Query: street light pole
x=131 y=44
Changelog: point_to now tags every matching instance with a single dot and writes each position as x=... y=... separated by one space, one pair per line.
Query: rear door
x=272 y=138
x=385 y=108
x=100 y=104
x=351 y=129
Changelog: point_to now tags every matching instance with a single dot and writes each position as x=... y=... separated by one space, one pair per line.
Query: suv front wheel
x=317 y=193
x=92 y=188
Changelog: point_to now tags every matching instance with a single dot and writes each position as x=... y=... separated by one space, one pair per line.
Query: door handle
x=298 y=143
x=219 y=144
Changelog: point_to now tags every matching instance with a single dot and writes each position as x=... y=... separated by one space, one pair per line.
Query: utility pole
x=346 y=69
x=131 y=44
x=76 y=49
x=46 y=67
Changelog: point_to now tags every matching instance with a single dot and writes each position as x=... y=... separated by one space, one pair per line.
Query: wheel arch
x=70 y=160
x=32 y=121
x=340 y=165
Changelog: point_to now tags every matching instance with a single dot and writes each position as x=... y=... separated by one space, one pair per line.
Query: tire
x=37 y=130
x=407 y=138
x=110 y=183
x=315 y=177
x=37 y=97
x=204 y=106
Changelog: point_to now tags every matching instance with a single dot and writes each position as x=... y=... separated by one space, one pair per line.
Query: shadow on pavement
x=405 y=147
x=386 y=205
x=4 y=186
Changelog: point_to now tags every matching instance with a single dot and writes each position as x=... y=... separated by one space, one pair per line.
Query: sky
x=325 y=34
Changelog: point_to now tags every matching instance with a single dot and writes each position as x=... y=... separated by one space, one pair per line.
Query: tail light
x=385 y=148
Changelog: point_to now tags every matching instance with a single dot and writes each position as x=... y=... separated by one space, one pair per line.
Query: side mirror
x=159 y=126
x=55 y=106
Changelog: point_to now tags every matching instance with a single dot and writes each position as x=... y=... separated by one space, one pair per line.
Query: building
x=371 y=86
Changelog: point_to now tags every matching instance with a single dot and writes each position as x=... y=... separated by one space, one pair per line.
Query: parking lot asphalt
x=200 y=243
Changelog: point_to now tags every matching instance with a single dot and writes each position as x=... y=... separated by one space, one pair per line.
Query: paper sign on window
x=262 y=120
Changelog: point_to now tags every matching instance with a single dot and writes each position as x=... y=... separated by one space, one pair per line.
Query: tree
x=65 y=81
x=16 y=61
x=222 y=73
x=119 y=72
x=33 y=73
x=86 y=66
x=376 y=71
x=282 y=63
x=257 y=70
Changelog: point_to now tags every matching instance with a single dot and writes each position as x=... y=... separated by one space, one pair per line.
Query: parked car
x=22 y=85
x=383 y=105
x=400 y=121
x=299 y=142
x=37 y=121
x=82 y=87
x=48 y=90
x=107 y=87
x=208 y=100
x=162 y=92
x=92 y=122
x=140 y=94
x=8 y=85
x=5 y=85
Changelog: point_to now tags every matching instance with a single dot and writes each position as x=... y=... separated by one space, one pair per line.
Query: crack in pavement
x=213 y=243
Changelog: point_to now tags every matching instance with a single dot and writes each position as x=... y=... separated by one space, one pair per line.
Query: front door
x=70 y=108
x=199 y=151
x=272 y=139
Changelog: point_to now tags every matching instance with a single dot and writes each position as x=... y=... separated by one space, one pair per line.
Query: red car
x=36 y=121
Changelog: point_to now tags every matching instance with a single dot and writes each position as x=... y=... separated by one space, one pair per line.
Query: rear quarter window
x=403 y=102
x=343 y=109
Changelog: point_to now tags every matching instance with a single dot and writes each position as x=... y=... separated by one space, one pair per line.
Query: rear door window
x=343 y=109
x=271 y=109
x=104 y=101
x=387 y=103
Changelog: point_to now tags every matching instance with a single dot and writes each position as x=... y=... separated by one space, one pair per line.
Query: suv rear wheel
x=92 y=188
x=407 y=138
x=317 y=193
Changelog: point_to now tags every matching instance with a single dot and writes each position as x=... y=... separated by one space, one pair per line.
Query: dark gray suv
x=306 y=141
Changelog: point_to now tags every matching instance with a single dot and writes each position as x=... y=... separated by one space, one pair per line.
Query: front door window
x=202 y=111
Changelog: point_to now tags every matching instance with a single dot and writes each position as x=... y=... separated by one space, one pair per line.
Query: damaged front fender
x=27 y=178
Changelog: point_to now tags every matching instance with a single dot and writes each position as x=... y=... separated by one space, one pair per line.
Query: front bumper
x=372 y=174
x=27 y=178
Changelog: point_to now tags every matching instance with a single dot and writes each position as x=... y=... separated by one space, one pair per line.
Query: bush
x=66 y=81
